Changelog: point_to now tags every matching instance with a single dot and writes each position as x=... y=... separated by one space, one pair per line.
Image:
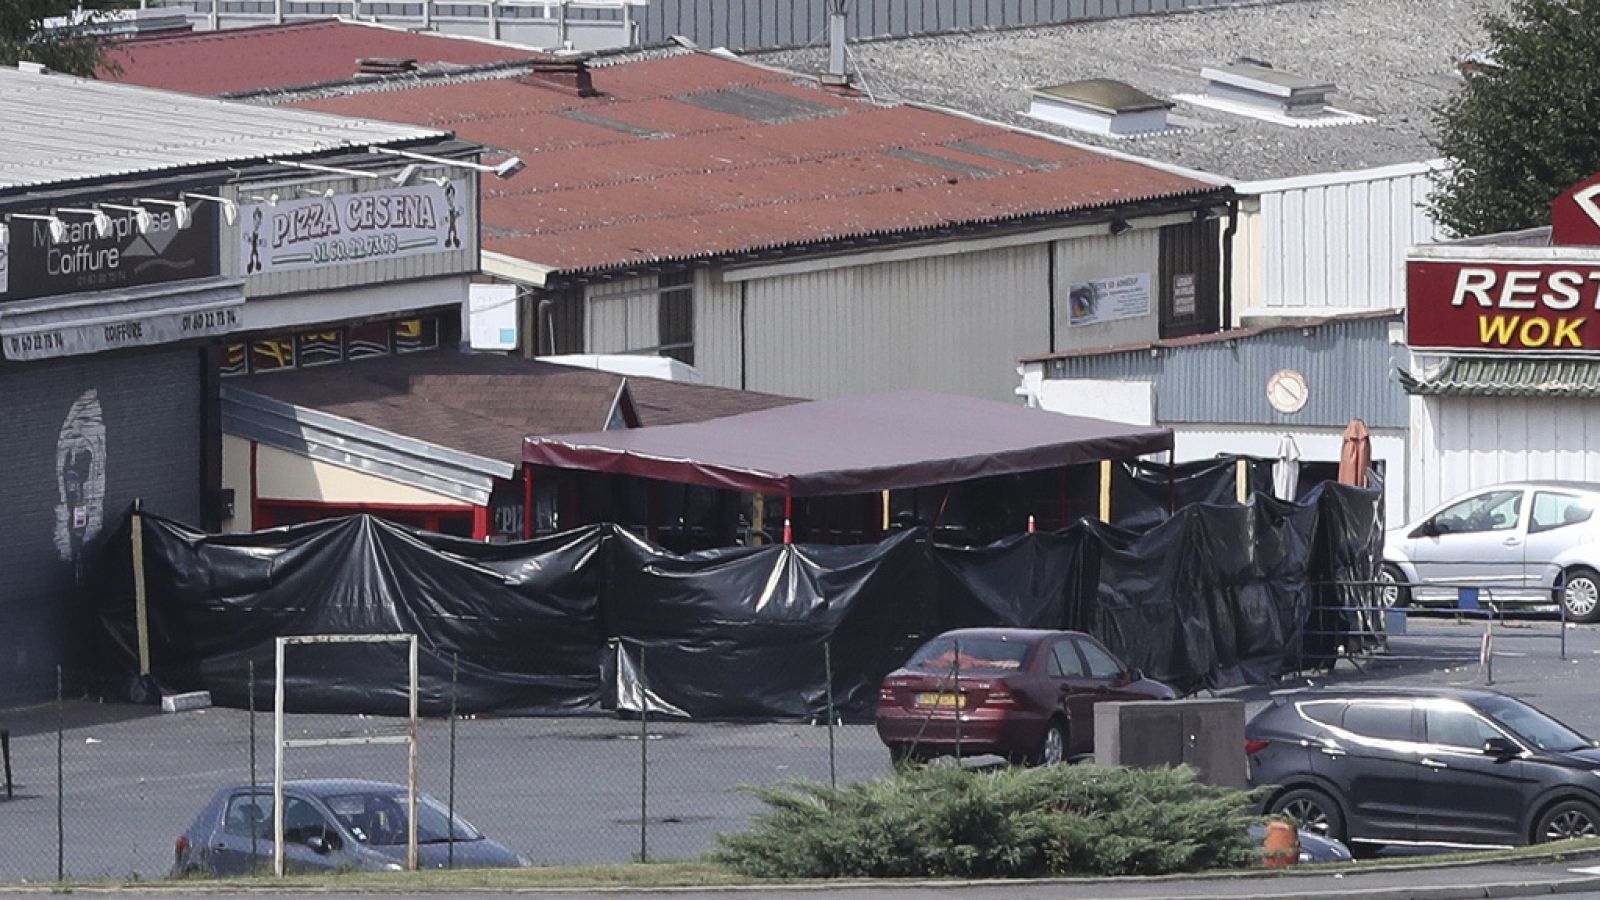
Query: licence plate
x=945 y=700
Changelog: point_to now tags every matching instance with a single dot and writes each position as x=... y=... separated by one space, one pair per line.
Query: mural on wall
x=80 y=479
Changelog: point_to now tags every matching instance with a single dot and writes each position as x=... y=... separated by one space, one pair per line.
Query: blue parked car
x=328 y=825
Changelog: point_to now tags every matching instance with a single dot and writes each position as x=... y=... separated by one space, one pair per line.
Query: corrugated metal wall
x=716 y=329
x=1131 y=253
x=945 y=323
x=83 y=438
x=1341 y=244
x=621 y=316
x=1461 y=443
x=747 y=24
x=1348 y=367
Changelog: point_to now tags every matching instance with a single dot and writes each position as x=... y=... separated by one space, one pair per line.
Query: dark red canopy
x=851 y=446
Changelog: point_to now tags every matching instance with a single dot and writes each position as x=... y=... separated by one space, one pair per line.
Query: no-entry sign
x=1503 y=306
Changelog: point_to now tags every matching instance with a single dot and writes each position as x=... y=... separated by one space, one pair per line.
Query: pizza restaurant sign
x=322 y=232
x=1542 y=302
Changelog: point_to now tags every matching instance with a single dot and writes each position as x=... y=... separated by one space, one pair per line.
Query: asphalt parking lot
x=568 y=790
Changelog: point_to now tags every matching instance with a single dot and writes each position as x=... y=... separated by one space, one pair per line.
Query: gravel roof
x=1392 y=60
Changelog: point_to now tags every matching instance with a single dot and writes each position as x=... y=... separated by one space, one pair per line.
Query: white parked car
x=1526 y=542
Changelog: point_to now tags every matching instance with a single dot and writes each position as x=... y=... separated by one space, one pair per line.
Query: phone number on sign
x=355 y=248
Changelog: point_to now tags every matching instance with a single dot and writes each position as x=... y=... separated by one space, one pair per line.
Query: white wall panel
x=716 y=329
x=951 y=323
x=1131 y=253
x=622 y=316
x=1339 y=244
x=1463 y=443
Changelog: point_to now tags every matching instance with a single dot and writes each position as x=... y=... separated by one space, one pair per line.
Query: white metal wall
x=945 y=323
x=622 y=315
x=1337 y=241
x=1131 y=253
x=716 y=329
x=955 y=323
x=1462 y=443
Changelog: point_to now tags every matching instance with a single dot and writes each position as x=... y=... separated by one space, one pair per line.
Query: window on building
x=656 y=317
x=675 y=317
x=271 y=354
x=333 y=345
x=318 y=348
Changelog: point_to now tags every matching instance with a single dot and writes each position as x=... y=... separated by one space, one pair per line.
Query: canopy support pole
x=527 y=501
x=652 y=513
x=1066 y=499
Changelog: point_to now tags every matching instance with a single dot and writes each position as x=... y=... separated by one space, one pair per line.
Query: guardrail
x=1370 y=623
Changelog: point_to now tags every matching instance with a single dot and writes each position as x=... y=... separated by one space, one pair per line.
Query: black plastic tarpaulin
x=521 y=622
x=1216 y=595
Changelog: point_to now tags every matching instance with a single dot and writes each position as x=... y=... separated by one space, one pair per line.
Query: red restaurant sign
x=1503 y=306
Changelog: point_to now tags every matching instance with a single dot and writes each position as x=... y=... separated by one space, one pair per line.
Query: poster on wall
x=1109 y=299
x=79 y=256
x=324 y=232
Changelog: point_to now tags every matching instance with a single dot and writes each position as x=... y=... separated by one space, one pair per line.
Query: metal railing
x=551 y=24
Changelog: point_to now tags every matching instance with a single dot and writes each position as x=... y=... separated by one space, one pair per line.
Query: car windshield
x=1533 y=726
x=978 y=654
x=379 y=817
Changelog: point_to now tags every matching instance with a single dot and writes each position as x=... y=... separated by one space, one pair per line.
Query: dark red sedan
x=1021 y=693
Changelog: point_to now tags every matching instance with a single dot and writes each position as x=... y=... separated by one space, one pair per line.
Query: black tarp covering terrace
x=853 y=445
x=1217 y=595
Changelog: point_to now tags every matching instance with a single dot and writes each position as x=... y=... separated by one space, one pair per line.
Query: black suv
x=1375 y=766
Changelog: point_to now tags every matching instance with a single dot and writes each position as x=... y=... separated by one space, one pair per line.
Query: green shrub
x=1007 y=822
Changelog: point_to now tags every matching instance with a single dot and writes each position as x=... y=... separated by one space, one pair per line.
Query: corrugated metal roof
x=1470 y=377
x=708 y=179
x=60 y=129
x=1347 y=362
x=248 y=59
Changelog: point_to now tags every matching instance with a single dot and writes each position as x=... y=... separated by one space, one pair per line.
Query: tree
x=1526 y=124
x=76 y=50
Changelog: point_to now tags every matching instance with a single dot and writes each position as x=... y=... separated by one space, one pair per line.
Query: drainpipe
x=1227 y=261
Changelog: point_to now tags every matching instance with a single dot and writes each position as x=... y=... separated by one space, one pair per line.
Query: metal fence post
x=644 y=761
x=827 y=672
x=450 y=859
x=61 y=806
x=255 y=799
x=956 y=665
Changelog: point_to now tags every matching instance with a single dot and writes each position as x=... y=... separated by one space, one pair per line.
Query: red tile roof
x=660 y=167
x=275 y=56
x=695 y=155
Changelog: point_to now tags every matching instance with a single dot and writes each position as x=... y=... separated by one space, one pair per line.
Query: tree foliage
x=76 y=50
x=1523 y=128
x=1007 y=823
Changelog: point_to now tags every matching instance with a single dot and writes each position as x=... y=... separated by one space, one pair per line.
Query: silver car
x=1520 y=542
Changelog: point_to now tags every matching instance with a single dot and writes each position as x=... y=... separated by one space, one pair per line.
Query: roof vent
x=384 y=65
x=1101 y=106
x=1256 y=84
x=567 y=72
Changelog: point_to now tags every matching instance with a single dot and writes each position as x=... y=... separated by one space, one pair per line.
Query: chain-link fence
x=104 y=791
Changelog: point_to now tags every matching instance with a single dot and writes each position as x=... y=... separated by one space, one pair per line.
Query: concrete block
x=1207 y=735
x=185 y=702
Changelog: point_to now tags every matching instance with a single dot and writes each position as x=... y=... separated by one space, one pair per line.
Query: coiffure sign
x=322 y=232
x=36 y=264
x=1526 y=299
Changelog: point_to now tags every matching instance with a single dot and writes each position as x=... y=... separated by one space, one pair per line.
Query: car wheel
x=1052 y=747
x=1392 y=590
x=1567 y=820
x=1313 y=811
x=1581 y=595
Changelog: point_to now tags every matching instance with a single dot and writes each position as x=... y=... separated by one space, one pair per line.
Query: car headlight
x=394 y=867
x=523 y=861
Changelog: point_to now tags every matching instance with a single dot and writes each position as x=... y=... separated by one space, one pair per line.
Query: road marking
x=1587 y=870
